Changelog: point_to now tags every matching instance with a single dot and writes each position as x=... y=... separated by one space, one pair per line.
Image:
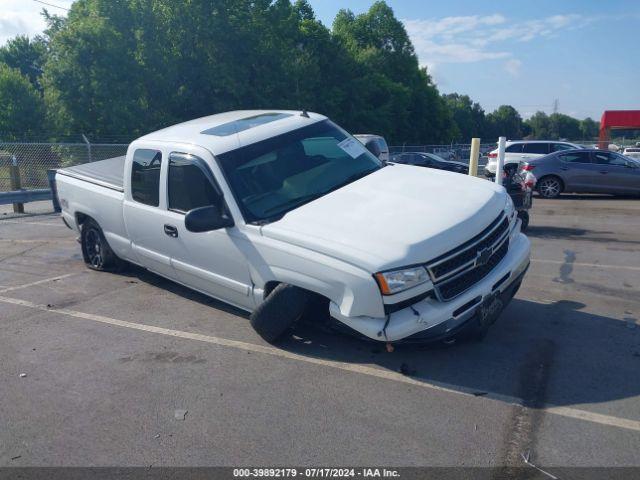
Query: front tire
x=280 y=310
x=550 y=187
x=96 y=252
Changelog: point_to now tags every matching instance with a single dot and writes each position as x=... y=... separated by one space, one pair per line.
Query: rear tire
x=280 y=310
x=96 y=252
x=550 y=187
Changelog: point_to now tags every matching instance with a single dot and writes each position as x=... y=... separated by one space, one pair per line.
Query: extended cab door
x=144 y=210
x=212 y=262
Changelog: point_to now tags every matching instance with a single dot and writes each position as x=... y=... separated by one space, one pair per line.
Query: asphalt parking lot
x=132 y=369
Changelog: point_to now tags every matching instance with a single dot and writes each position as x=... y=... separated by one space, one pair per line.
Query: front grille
x=461 y=283
x=464 y=254
x=459 y=269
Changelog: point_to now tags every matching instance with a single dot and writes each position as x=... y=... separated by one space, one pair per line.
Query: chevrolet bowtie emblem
x=482 y=257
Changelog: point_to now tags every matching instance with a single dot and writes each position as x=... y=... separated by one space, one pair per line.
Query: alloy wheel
x=549 y=187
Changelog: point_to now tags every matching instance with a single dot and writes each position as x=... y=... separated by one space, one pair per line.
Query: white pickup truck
x=280 y=212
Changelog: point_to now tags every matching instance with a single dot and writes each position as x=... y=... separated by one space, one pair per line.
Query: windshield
x=272 y=177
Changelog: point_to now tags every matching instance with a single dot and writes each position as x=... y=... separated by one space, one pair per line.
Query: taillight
x=492 y=155
x=527 y=167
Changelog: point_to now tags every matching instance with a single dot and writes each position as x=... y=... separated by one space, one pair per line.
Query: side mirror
x=206 y=219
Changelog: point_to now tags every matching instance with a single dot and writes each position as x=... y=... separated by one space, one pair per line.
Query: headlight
x=509 y=209
x=399 y=280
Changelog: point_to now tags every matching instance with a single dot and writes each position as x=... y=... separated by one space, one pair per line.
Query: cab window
x=145 y=176
x=515 y=148
x=557 y=147
x=189 y=184
x=576 y=157
x=536 y=148
x=608 y=158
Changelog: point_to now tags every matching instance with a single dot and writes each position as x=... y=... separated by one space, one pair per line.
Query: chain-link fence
x=34 y=159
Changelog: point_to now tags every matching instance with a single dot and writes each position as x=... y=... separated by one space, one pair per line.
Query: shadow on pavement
x=562 y=353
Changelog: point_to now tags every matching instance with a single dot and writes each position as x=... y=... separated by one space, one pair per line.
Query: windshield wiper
x=351 y=179
x=295 y=202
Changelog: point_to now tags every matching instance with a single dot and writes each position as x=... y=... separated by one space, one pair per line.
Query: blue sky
x=585 y=53
x=526 y=53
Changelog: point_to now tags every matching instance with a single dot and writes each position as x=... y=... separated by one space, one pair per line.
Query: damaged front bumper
x=430 y=319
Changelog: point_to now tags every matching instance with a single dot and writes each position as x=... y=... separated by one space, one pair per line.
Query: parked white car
x=523 y=150
x=277 y=212
x=633 y=152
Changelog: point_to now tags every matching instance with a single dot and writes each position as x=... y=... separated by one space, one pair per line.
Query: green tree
x=22 y=107
x=539 y=126
x=26 y=55
x=589 y=128
x=397 y=97
x=468 y=116
x=563 y=126
x=505 y=121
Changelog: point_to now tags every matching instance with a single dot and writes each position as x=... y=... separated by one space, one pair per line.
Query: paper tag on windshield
x=353 y=147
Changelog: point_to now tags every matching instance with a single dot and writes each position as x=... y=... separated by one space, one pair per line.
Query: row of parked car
x=567 y=167
x=558 y=166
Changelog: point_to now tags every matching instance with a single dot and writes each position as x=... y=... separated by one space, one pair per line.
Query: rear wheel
x=96 y=252
x=550 y=187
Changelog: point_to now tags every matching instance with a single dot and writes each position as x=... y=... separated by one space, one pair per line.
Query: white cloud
x=512 y=66
x=22 y=17
x=477 y=38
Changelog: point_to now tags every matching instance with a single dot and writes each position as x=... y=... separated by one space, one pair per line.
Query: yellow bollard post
x=473 y=158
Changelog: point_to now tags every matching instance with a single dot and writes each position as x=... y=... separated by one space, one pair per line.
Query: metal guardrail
x=25 y=196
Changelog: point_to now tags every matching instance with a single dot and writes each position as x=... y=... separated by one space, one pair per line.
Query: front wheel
x=280 y=310
x=550 y=187
x=96 y=252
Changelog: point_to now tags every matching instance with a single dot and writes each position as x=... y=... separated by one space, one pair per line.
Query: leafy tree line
x=128 y=67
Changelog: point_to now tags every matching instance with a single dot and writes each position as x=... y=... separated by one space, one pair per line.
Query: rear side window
x=145 y=176
x=608 y=158
x=537 y=148
x=557 y=147
x=188 y=184
x=576 y=157
x=515 y=148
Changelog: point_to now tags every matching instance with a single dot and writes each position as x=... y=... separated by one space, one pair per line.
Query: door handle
x=170 y=230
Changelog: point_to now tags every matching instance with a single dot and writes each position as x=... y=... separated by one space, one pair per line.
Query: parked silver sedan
x=585 y=171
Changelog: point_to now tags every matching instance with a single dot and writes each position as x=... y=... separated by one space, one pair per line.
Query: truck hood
x=399 y=215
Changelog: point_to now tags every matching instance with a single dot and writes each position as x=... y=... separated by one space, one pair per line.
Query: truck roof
x=227 y=131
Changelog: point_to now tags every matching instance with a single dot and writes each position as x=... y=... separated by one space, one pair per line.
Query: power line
x=51 y=5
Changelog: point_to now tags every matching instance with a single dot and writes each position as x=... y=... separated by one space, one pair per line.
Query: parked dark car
x=430 y=160
x=585 y=171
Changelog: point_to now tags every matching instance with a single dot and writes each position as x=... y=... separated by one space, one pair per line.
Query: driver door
x=211 y=262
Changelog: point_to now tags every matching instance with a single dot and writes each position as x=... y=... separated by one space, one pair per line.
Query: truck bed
x=108 y=173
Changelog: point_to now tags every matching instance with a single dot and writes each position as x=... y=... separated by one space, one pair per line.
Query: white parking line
x=39 y=282
x=595 y=265
x=349 y=367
